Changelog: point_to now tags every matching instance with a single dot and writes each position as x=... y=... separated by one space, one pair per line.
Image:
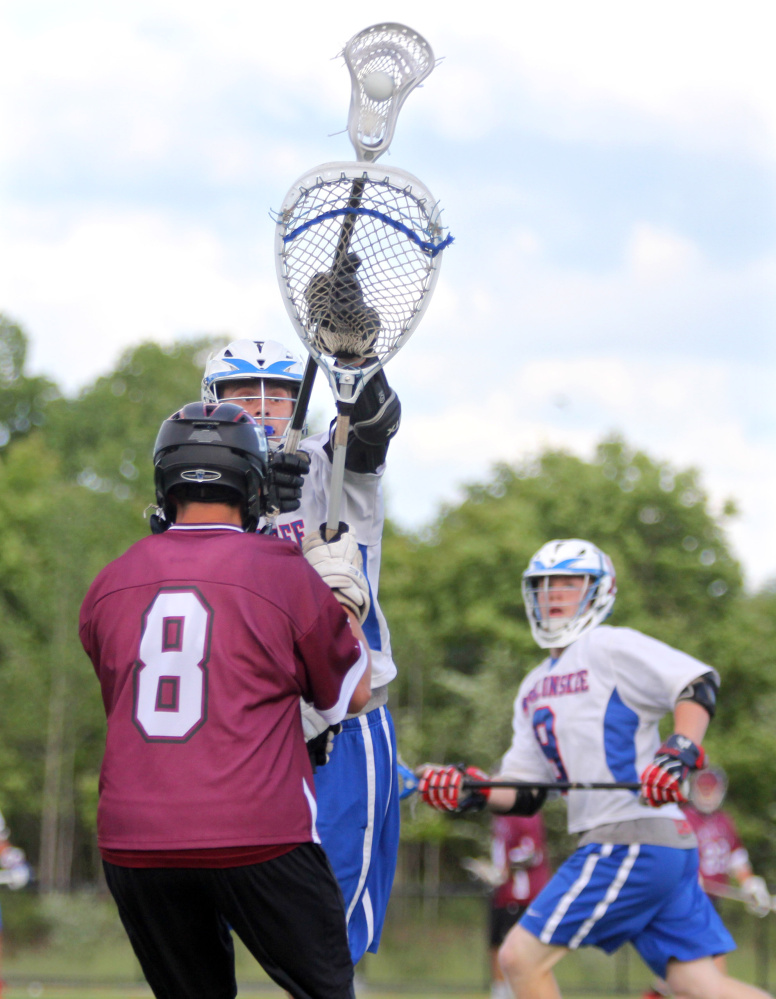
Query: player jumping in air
x=590 y=712
x=358 y=804
x=204 y=636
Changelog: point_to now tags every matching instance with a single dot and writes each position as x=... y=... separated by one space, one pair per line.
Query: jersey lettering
x=170 y=676
x=557 y=686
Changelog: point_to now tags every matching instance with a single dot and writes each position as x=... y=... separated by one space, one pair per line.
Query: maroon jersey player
x=724 y=860
x=519 y=856
x=204 y=637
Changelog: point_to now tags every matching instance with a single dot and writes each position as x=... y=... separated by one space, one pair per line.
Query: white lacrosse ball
x=378 y=86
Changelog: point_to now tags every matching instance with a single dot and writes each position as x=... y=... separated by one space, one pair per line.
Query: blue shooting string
x=431 y=248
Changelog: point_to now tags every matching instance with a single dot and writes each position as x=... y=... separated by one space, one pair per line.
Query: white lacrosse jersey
x=363 y=511
x=592 y=715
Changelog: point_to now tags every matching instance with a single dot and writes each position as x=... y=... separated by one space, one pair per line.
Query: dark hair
x=205 y=492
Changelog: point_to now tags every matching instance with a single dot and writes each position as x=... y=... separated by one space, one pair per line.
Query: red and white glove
x=665 y=779
x=443 y=788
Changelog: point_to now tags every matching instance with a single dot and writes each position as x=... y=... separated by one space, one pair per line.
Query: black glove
x=285 y=481
x=320 y=746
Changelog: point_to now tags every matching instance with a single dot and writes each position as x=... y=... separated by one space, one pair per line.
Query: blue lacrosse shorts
x=358 y=822
x=606 y=895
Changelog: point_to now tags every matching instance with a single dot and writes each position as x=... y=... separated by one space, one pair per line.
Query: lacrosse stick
x=341 y=218
x=395 y=58
x=731 y=892
x=553 y=785
x=468 y=784
x=484 y=870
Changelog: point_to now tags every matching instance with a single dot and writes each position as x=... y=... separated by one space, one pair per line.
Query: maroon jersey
x=519 y=849
x=720 y=848
x=203 y=639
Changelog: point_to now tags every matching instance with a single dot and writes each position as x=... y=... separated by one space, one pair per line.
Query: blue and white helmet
x=591 y=605
x=250 y=359
x=260 y=360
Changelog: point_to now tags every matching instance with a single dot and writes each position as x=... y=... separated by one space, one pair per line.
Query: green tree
x=453 y=600
x=23 y=400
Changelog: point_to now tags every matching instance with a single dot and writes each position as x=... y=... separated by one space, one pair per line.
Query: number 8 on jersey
x=170 y=676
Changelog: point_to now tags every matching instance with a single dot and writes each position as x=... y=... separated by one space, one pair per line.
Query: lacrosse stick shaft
x=554 y=785
x=301 y=406
x=348 y=222
x=731 y=892
x=339 y=453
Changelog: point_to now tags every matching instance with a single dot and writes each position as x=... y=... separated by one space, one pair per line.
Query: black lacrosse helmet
x=214 y=445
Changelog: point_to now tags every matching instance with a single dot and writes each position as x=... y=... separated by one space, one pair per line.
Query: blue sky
x=607 y=170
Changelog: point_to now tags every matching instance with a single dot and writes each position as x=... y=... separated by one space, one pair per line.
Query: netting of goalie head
x=359 y=302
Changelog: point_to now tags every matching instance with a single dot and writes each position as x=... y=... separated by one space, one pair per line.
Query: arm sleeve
x=374 y=422
x=331 y=658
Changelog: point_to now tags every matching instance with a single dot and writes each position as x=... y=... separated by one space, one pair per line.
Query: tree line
x=76 y=478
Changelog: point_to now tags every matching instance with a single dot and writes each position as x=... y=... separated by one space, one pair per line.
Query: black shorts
x=288 y=912
x=501 y=921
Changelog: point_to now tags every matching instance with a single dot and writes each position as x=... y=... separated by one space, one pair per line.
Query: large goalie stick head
x=355 y=299
x=386 y=62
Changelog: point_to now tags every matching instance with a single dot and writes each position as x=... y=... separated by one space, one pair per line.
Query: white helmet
x=591 y=605
x=254 y=359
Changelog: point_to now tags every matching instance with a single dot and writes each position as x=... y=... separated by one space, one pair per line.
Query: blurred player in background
x=517 y=872
x=357 y=791
x=724 y=861
x=14 y=872
x=203 y=637
x=590 y=712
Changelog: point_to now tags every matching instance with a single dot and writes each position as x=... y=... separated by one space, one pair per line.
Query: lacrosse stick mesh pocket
x=358 y=255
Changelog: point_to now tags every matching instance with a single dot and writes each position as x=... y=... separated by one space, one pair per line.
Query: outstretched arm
x=374 y=423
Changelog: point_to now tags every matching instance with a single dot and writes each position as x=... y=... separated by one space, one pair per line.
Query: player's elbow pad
x=702 y=691
x=528 y=801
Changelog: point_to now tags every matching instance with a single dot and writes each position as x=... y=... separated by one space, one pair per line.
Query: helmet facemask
x=263 y=398
x=569 y=587
x=264 y=375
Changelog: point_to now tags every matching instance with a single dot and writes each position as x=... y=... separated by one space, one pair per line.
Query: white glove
x=318 y=734
x=313 y=723
x=759 y=898
x=339 y=564
x=17 y=870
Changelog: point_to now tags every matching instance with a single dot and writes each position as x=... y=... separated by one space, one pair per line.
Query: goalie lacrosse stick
x=340 y=219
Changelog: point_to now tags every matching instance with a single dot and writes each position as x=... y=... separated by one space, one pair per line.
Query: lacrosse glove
x=14 y=861
x=665 y=779
x=318 y=735
x=283 y=491
x=339 y=564
x=758 y=896
x=448 y=789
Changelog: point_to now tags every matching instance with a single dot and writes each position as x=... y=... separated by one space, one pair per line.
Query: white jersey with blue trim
x=363 y=511
x=592 y=715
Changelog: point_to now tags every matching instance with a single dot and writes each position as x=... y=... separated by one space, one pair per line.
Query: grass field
x=84 y=954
